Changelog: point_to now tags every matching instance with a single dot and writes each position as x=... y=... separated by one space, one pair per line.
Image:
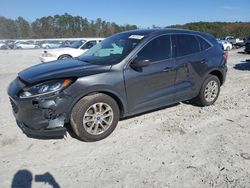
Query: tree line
x=219 y=29
x=59 y=26
x=68 y=26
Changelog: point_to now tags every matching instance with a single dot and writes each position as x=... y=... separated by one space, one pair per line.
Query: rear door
x=190 y=63
x=151 y=86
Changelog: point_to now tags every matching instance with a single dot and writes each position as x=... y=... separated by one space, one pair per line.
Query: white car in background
x=74 y=50
x=233 y=41
x=3 y=45
x=25 y=45
x=227 y=46
x=51 y=44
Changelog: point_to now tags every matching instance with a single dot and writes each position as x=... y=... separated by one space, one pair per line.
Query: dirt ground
x=180 y=146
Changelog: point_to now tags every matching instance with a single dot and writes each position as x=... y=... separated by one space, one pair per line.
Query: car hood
x=60 y=69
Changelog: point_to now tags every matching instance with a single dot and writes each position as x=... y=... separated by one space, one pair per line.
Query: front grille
x=14 y=106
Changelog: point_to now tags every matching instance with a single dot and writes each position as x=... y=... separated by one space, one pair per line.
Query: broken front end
x=41 y=110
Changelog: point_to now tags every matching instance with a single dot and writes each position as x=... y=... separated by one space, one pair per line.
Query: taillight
x=225 y=56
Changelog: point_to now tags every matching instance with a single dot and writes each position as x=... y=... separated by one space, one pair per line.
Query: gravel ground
x=180 y=146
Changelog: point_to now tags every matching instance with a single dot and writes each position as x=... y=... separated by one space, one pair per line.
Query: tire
x=64 y=57
x=202 y=99
x=228 y=48
x=84 y=117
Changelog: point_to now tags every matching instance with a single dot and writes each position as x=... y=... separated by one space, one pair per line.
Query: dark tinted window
x=158 y=49
x=203 y=44
x=89 y=44
x=186 y=44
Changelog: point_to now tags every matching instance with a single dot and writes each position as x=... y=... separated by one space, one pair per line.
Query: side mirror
x=140 y=62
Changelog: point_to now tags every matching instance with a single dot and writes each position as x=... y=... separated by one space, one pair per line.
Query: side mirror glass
x=140 y=62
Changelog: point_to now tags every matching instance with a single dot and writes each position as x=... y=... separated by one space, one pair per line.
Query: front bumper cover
x=59 y=132
x=43 y=116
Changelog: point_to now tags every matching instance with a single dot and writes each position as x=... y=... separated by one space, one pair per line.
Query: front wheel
x=94 y=117
x=209 y=92
x=64 y=57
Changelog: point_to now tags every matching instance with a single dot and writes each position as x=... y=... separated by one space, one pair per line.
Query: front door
x=151 y=86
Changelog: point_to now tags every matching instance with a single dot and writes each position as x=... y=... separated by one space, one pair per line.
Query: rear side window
x=158 y=49
x=204 y=45
x=186 y=44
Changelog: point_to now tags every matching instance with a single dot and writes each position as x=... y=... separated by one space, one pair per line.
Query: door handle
x=203 y=61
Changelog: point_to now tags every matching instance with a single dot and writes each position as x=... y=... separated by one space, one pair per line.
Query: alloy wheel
x=211 y=91
x=98 y=118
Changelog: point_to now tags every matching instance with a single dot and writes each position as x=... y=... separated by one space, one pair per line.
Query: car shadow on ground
x=150 y=111
x=188 y=102
x=73 y=135
x=243 y=65
x=71 y=132
x=241 y=52
x=24 y=178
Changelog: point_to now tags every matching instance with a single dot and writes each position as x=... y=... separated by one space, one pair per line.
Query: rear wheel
x=95 y=117
x=209 y=92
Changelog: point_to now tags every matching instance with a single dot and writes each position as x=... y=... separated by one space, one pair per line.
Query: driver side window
x=158 y=49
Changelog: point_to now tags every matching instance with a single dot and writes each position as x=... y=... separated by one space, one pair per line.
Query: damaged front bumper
x=40 y=117
x=58 y=132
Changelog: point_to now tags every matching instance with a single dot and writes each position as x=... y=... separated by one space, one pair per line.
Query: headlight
x=45 y=88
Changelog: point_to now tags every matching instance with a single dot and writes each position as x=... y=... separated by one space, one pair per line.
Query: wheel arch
x=219 y=74
x=64 y=55
x=120 y=102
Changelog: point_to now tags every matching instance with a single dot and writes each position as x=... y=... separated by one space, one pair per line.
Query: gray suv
x=128 y=73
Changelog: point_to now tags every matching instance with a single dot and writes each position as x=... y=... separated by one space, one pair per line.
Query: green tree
x=23 y=28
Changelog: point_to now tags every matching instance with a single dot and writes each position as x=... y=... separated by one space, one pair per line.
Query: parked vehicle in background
x=38 y=42
x=234 y=41
x=3 y=46
x=67 y=43
x=247 y=45
x=25 y=45
x=126 y=74
x=10 y=44
x=51 y=44
x=227 y=46
x=74 y=50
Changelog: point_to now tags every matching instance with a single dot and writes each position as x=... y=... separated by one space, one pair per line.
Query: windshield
x=77 y=44
x=112 y=50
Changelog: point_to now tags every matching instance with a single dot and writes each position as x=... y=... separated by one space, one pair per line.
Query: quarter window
x=158 y=49
x=204 y=45
x=186 y=44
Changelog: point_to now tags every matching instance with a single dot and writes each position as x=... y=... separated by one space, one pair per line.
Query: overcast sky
x=142 y=13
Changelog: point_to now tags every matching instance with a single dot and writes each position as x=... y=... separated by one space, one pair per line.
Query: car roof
x=161 y=31
x=157 y=32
